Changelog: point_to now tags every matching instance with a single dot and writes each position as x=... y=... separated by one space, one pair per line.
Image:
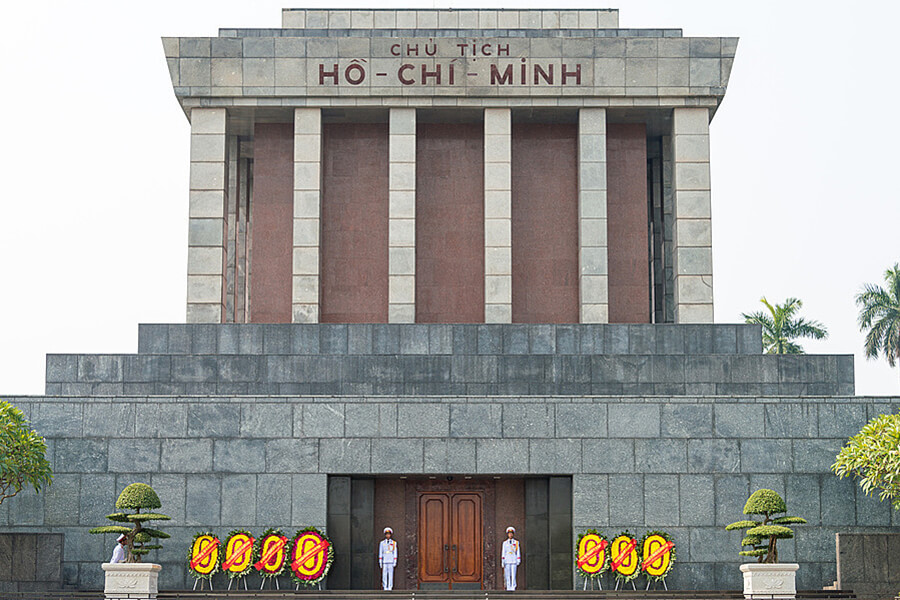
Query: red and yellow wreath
x=624 y=557
x=203 y=558
x=239 y=555
x=311 y=556
x=272 y=550
x=657 y=555
x=591 y=554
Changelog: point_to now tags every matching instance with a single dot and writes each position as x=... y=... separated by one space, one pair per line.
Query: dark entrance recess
x=430 y=516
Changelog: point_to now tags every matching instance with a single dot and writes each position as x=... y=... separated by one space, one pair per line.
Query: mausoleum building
x=451 y=271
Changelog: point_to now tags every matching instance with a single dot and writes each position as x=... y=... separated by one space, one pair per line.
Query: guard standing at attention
x=387 y=559
x=510 y=557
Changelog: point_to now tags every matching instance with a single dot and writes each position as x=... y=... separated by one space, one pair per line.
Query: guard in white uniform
x=118 y=555
x=510 y=557
x=387 y=559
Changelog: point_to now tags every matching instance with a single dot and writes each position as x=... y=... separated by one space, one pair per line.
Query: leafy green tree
x=136 y=496
x=23 y=452
x=873 y=457
x=880 y=314
x=762 y=536
x=781 y=326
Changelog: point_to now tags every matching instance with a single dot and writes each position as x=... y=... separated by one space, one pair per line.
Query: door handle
x=455 y=559
x=446 y=558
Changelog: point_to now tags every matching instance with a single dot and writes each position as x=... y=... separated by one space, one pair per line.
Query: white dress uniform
x=387 y=560
x=118 y=555
x=510 y=557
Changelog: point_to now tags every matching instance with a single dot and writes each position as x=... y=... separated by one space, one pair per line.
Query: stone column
x=497 y=215
x=206 y=225
x=402 y=217
x=592 y=245
x=693 y=226
x=307 y=208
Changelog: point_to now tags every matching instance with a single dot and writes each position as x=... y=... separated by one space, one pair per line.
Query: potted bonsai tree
x=132 y=576
x=767 y=577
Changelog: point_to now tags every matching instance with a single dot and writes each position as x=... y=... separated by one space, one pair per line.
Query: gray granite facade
x=411 y=359
x=682 y=462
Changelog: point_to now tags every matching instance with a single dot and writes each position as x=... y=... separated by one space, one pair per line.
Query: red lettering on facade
x=436 y=74
x=412 y=50
x=546 y=76
x=395 y=50
x=355 y=74
x=505 y=78
x=576 y=74
x=486 y=49
x=400 y=74
x=323 y=74
x=503 y=50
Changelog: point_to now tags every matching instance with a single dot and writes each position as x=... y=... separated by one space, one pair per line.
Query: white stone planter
x=131 y=580
x=770 y=580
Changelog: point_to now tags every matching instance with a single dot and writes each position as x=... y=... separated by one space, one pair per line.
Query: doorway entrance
x=450 y=540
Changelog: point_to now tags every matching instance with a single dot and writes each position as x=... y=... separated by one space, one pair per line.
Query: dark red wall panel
x=450 y=223
x=354 y=258
x=272 y=211
x=627 y=227
x=544 y=223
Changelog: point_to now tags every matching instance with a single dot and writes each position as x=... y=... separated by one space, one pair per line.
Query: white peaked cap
x=508 y=529
x=120 y=538
x=386 y=529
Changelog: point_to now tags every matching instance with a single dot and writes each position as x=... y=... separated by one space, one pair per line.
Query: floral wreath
x=250 y=560
x=626 y=577
x=196 y=567
x=604 y=567
x=644 y=551
x=262 y=549
x=315 y=574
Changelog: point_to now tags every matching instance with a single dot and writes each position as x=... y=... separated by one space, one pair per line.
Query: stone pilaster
x=402 y=217
x=497 y=215
x=206 y=227
x=693 y=226
x=307 y=211
x=592 y=236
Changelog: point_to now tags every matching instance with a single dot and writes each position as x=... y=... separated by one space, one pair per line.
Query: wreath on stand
x=203 y=556
x=657 y=555
x=311 y=556
x=624 y=555
x=239 y=555
x=591 y=554
x=272 y=549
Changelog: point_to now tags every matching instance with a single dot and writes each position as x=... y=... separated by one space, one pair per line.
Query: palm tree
x=880 y=314
x=781 y=326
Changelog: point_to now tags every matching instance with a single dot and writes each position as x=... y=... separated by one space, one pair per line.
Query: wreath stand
x=618 y=581
x=238 y=585
x=663 y=580
x=277 y=587
x=318 y=587
x=200 y=580
x=591 y=581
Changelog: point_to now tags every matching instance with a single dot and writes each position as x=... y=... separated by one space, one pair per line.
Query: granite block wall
x=679 y=463
x=416 y=359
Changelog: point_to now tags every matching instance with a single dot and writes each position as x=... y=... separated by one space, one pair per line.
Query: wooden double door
x=450 y=540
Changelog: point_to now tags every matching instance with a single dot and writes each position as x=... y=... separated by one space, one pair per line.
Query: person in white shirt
x=118 y=554
x=387 y=559
x=510 y=557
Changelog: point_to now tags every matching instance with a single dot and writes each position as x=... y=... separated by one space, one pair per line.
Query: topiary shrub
x=762 y=536
x=136 y=497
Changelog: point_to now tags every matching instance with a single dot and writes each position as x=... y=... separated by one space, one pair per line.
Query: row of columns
x=692 y=225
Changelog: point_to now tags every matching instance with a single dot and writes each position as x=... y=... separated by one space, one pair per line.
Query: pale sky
x=94 y=165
